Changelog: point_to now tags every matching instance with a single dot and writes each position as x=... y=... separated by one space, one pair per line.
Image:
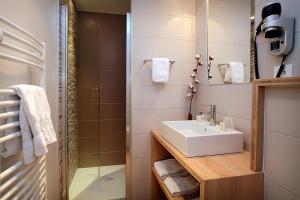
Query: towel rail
x=7 y=92
x=10 y=23
x=15 y=37
x=9 y=103
x=32 y=186
x=11 y=181
x=9 y=114
x=21 y=50
x=150 y=60
x=9 y=125
x=11 y=169
x=21 y=181
x=10 y=137
x=32 y=173
x=20 y=60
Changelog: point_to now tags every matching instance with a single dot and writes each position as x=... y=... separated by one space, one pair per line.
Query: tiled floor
x=104 y=183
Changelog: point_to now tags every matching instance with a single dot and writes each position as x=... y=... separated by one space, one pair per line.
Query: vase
x=190 y=116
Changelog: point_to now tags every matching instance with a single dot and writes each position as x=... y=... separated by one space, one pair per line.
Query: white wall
x=159 y=29
x=41 y=19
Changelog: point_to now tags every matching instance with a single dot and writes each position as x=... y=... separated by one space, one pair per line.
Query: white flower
x=191 y=86
x=189 y=95
x=197 y=56
x=193 y=75
x=197 y=81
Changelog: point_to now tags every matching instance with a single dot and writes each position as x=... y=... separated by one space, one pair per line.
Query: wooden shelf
x=221 y=177
x=210 y=167
x=166 y=191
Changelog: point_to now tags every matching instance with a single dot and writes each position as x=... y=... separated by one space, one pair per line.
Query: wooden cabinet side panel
x=237 y=188
x=158 y=152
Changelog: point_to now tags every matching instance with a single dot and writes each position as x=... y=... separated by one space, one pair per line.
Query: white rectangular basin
x=199 y=139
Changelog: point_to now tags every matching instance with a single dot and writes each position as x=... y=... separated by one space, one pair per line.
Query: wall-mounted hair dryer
x=280 y=32
x=278 y=29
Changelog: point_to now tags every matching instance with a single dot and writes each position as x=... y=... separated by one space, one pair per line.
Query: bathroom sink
x=200 y=139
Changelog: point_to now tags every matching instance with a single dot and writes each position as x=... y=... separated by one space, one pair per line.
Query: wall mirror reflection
x=230 y=36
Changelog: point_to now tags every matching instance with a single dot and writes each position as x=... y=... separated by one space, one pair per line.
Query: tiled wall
x=101 y=88
x=72 y=110
x=282 y=139
x=282 y=113
x=159 y=29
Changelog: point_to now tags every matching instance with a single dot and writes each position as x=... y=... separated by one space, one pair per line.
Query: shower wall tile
x=112 y=142
x=113 y=111
x=112 y=95
x=87 y=145
x=87 y=50
x=88 y=128
x=102 y=92
x=114 y=127
x=112 y=158
x=87 y=76
x=88 y=160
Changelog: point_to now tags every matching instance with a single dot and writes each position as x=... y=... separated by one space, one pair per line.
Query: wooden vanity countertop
x=210 y=167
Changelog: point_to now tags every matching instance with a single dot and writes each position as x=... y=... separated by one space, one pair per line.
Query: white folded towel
x=35 y=121
x=160 y=70
x=182 y=185
x=169 y=167
x=236 y=72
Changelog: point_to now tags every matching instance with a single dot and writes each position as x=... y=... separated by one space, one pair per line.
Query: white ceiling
x=103 y=6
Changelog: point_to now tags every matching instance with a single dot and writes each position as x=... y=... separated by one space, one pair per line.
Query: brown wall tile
x=112 y=111
x=88 y=160
x=112 y=95
x=113 y=127
x=88 y=145
x=112 y=158
x=88 y=128
x=102 y=88
x=110 y=142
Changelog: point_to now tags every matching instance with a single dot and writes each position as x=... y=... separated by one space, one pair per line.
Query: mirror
x=230 y=32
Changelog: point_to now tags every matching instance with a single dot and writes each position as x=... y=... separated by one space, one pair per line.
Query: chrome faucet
x=212 y=114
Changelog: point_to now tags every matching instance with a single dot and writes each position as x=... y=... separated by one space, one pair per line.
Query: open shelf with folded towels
x=226 y=177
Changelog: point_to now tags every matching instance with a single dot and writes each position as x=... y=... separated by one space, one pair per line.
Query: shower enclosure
x=96 y=106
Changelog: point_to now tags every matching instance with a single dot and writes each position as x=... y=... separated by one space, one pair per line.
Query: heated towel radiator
x=19 y=181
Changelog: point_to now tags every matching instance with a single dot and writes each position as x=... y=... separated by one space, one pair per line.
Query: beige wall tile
x=141 y=145
x=141 y=169
x=281 y=160
x=273 y=191
x=282 y=111
x=143 y=121
x=141 y=190
x=157 y=96
x=166 y=7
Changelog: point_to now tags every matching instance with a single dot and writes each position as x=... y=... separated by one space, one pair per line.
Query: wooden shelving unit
x=221 y=177
x=166 y=191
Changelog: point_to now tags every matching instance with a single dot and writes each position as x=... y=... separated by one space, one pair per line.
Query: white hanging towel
x=35 y=121
x=160 y=70
x=237 y=73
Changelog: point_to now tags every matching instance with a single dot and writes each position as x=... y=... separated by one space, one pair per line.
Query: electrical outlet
x=287 y=72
